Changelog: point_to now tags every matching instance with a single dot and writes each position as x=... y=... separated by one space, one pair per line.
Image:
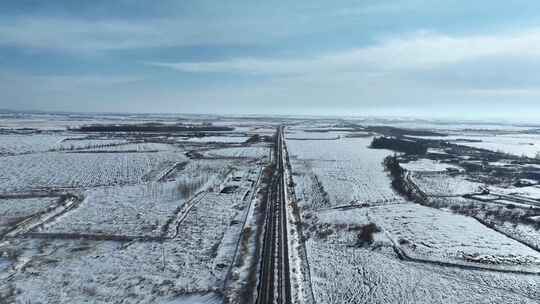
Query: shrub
x=366 y=233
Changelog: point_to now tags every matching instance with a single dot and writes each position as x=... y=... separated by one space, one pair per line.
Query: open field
x=366 y=244
x=145 y=209
x=339 y=172
x=74 y=170
x=97 y=216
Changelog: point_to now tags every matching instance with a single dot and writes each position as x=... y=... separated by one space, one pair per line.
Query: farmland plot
x=346 y=270
x=132 y=147
x=78 y=143
x=518 y=144
x=303 y=135
x=345 y=274
x=428 y=165
x=431 y=234
x=240 y=152
x=66 y=170
x=435 y=246
x=526 y=233
x=437 y=235
x=218 y=139
x=193 y=262
x=345 y=169
x=139 y=210
x=438 y=184
x=14 y=210
x=11 y=144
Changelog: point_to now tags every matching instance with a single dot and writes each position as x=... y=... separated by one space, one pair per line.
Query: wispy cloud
x=422 y=50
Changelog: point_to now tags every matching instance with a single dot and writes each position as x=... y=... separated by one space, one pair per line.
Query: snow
x=19 y=144
x=441 y=245
x=303 y=135
x=344 y=274
x=429 y=165
x=247 y=152
x=140 y=210
x=15 y=210
x=60 y=169
x=512 y=143
x=219 y=139
x=137 y=147
x=175 y=270
x=444 y=236
x=436 y=184
x=530 y=192
x=523 y=232
x=345 y=169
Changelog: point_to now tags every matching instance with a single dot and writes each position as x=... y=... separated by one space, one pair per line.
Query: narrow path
x=68 y=203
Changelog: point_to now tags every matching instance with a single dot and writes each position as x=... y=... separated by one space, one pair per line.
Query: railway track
x=274 y=280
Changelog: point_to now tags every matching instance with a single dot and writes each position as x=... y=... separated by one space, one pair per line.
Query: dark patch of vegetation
x=393 y=131
x=399 y=145
x=255 y=138
x=366 y=234
x=229 y=189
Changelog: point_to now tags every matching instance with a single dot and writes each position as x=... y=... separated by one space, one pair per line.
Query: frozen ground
x=420 y=254
x=345 y=274
x=336 y=172
x=436 y=184
x=18 y=144
x=189 y=266
x=14 y=210
x=428 y=165
x=219 y=139
x=185 y=217
x=519 y=144
x=139 y=210
x=248 y=152
x=63 y=170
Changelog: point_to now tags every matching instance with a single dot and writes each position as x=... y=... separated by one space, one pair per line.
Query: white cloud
x=419 y=51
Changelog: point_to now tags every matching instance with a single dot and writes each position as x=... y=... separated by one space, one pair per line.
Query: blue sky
x=467 y=59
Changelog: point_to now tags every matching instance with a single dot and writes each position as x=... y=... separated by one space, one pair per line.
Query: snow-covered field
x=530 y=192
x=18 y=144
x=428 y=165
x=138 y=210
x=437 y=184
x=248 y=152
x=14 y=210
x=155 y=226
x=345 y=274
x=138 y=272
x=117 y=146
x=519 y=144
x=344 y=271
x=443 y=257
x=303 y=135
x=432 y=234
x=61 y=169
x=218 y=139
x=151 y=225
x=344 y=170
